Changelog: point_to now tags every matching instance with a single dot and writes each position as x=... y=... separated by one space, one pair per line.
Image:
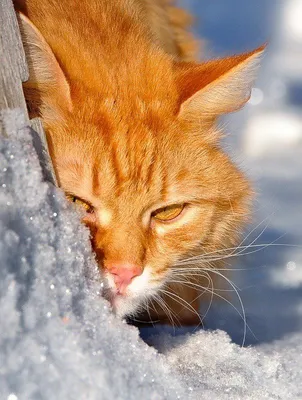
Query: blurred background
x=265 y=139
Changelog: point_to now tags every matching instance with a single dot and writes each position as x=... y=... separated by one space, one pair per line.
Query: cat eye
x=87 y=207
x=168 y=213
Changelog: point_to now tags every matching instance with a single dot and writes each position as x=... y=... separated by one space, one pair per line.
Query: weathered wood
x=41 y=147
x=14 y=71
x=13 y=67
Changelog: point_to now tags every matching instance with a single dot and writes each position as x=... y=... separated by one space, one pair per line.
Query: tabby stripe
x=96 y=188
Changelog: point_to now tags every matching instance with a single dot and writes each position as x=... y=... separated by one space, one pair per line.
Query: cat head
x=137 y=146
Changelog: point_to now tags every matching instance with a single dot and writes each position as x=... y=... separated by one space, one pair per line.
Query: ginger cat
x=132 y=129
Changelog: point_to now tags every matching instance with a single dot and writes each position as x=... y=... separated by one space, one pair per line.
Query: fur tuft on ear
x=47 y=85
x=216 y=87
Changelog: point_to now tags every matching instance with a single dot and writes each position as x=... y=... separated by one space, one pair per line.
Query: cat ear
x=217 y=87
x=47 y=85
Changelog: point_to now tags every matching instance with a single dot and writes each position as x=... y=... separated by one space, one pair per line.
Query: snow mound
x=214 y=368
x=58 y=337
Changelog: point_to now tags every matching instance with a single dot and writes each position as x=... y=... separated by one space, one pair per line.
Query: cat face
x=152 y=192
x=140 y=153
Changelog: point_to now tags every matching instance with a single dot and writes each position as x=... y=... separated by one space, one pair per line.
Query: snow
x=230 y=372
x=58 y=337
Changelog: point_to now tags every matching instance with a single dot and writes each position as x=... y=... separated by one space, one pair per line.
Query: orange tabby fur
x=131 y=126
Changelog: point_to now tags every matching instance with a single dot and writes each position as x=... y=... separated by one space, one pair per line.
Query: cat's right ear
x=216 y=87
x=47 y=89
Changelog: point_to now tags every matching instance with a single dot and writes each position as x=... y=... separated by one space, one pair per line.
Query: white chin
x=124 y=306
x=134 y=300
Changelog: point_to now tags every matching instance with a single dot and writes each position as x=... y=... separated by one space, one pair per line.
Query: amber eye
x=168 y=213
x=88 y=208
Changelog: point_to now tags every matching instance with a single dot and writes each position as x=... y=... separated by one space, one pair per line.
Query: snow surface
x=58 y=336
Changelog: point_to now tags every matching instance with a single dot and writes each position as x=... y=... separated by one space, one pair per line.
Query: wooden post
x=13 y=68
x=14 y=71
x=41 y=147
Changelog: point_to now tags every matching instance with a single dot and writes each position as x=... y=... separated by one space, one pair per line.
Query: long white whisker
x=167 y=311
x=257 y=237
x=259 y=247
x=256 y=227
x=240 y=301
x=241 y=243
x=213 y=293
x=147 y=308
x=181 y=301
x=188 y=283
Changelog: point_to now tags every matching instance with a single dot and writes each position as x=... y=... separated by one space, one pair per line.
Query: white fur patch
x=104 y=216
x=141 y=288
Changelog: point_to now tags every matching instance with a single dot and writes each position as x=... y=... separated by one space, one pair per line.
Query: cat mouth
x=124 y=304
x=116 y=299
x=127 y=300
x=111 y=295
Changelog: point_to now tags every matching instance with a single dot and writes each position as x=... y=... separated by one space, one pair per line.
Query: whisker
x=258 y=236
x=144 y=322
x=167 y=311
x=213 y=293
x=153 y=306
x=241 y=243
x=180 y=271
x=187 y=282
x=147 y=308
x=212 y=296
x=259 y=247
x=256 y=227
x=181 y=301
x=236 y=290
x=240 y=302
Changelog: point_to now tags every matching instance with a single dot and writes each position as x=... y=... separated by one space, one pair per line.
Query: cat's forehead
x=131 y=167
x=137 y=103
x=140 y=156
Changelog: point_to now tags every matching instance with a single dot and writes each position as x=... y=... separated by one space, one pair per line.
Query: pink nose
x=123 y=273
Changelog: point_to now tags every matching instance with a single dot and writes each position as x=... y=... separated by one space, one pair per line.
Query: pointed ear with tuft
x=216 y=87
x=47 y=87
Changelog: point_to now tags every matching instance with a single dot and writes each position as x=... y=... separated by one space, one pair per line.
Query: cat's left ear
x=47 y=88
x=216 y=87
